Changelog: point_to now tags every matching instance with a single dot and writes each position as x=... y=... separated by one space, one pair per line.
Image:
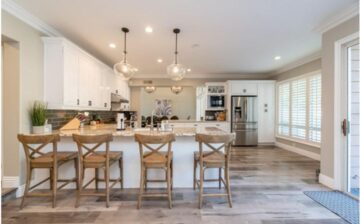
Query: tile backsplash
x=58 y=118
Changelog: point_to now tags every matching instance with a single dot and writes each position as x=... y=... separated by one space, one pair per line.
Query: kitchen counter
x=193 y=121
x=183 y=150
x=111 y=128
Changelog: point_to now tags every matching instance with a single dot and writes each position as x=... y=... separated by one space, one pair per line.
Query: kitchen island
x=183 y=149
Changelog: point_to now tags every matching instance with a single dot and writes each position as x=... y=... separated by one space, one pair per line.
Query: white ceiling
x=234 y=36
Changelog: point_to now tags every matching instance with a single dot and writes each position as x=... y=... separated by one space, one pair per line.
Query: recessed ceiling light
x=112 y=45
x=148 y=29
x=188 y=70
x=136 y=69
x=277 y=58
x=159 y=60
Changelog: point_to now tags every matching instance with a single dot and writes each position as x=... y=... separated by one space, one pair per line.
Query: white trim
x=219 y=76
x=297 y=150
x=28 y=18
x=334 y=21
x=338 y=141
x=327 y=181
x=10 y=181
x=297 y=63
x=312 y=144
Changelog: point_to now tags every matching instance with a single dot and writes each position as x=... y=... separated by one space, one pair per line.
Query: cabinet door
x=85 y=76
x=266 y=108
x=244 y=89
x=106 y=89
x=95 y=86
x=71 y=77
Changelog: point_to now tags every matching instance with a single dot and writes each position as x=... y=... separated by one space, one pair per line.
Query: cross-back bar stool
x=152 y=157
x=36 y=158
x=217 y=157
x=91 y=157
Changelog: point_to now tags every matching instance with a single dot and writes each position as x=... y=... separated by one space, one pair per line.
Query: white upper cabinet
x=243 y=88
x=73 y=79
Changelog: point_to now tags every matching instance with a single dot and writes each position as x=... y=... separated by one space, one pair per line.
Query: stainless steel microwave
x=216 y=101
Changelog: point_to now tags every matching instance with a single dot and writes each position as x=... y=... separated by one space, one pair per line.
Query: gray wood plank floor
x=267 y=185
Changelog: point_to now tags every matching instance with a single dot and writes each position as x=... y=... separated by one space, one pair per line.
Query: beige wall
x=328 y=77
x=31 y=69
x=10 y=108
x=183 y=104
x=301 y=70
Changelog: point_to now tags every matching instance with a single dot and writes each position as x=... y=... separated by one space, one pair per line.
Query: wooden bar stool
x=37 y=159
x=155 y=159
x=90 y=157
x=213 y=158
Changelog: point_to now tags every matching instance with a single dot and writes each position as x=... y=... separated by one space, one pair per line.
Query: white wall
x=31 y=70
x=183 y=104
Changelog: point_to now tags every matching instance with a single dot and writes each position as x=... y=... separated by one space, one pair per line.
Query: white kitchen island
x=183 y=150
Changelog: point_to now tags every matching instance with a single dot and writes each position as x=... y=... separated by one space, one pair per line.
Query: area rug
x=339 y=203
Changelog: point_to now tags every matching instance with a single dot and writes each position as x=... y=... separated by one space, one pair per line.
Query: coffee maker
x=120 y=121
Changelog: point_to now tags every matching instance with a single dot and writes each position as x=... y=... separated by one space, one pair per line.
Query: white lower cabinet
x=73 y=79
x=221 y=125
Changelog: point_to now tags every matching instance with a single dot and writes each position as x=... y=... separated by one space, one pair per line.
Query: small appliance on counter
x=120 y=121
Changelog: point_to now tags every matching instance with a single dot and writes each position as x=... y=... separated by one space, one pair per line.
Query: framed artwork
x=163 y=107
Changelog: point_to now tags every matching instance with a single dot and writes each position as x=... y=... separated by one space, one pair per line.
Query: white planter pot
x=38 y=129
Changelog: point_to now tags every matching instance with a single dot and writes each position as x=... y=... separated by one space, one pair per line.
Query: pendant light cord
x=176 y=47
x=125 y=47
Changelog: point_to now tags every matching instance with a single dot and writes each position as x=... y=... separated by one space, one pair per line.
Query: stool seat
x=156 y=159
x=216 y=159
x=47 y=160
x=96 y=160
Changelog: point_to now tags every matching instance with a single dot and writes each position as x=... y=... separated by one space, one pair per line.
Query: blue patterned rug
x=341 y=204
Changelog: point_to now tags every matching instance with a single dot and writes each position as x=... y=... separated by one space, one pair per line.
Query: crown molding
x=337 y=19
x=302 y=61
x=28 y=18
x=205 y=76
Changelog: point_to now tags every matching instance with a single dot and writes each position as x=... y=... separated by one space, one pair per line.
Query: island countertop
x=111 y=129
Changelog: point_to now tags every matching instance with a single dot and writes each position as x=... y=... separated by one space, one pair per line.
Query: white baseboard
x=10 y=181
x=327 y=181
x=297 y=150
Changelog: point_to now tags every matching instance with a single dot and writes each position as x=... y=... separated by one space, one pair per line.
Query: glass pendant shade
x=176 y=71
x=150 y=89
x=124 y=69
x=176 y=89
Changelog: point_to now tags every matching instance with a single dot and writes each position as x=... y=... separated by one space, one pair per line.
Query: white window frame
x=290 y=138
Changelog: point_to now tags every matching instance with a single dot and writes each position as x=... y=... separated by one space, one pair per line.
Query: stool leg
x=107 y=185
x=142 y=176
x=27 y=186
x=121 y=172
x=51 y=178
x=172 y=174
x=54 y=182
x=219 y=178
x=168 y=181
x=201 y=186
x=194 y=177
x=76 y=165
x=228 y=184
x=145 y=178
x=96 y=179
x=80 y=183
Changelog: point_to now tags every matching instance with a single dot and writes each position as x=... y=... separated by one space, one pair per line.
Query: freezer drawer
x=241 y=126
x=245 y=137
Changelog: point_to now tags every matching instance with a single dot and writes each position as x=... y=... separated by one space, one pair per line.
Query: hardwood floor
x=266 y=182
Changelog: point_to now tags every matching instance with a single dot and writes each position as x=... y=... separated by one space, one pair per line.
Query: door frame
x=340 y=169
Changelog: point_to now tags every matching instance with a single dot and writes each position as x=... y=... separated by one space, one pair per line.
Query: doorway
x=351 y=122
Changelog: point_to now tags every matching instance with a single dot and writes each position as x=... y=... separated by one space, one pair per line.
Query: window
x=299 y=108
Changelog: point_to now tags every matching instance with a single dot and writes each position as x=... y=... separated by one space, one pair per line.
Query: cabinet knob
x=117 y=91
x=105 y=104
x=218 y=125
x=89 y=103
x=244 y=90
x=77 y=101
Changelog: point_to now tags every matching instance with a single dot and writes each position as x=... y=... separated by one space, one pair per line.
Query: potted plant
x=38 y=117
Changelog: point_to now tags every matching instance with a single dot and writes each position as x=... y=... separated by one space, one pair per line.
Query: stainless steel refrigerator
x=244 y=120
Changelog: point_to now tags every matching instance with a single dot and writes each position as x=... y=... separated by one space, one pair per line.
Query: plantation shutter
x=298 y=108
x=284 y=109
x=315 y=108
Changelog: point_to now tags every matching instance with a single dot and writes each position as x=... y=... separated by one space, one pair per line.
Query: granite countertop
x=193 y=121
x=111 y=128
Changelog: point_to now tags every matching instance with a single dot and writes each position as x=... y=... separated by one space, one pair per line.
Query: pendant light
x=123 y=68
x=150 y=89
x=176 y=71
x=176 y=89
